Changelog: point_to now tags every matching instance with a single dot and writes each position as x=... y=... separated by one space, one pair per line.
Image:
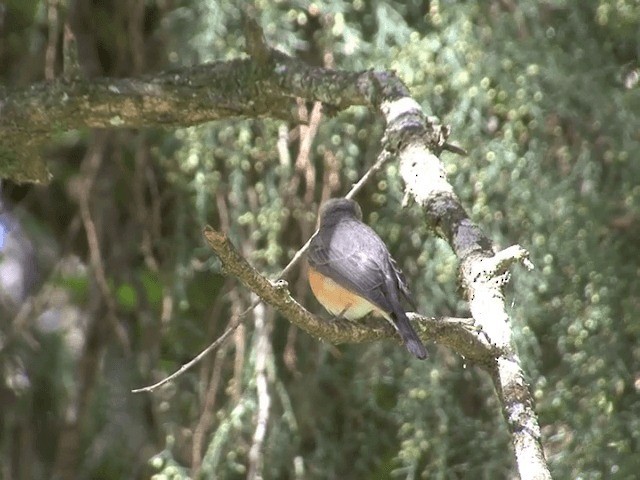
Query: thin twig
x=207 y=413
x=263 y=352
x=53 y=20
x=382 y=158
x=90 y=169
x=235 y=323
x=239 y=349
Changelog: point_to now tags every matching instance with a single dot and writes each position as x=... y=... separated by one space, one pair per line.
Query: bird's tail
x=409 y=336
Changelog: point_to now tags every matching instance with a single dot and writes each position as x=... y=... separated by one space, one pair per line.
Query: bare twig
x=91 y=166
x=262 y=353
x=53 y=20
x=239 y=349
x=304 y=163
x=207 y=414
x=235 y=322
x=382 y=158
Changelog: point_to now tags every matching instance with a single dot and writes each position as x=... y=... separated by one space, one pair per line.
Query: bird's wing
x=355 y=258
x=402 y=283
x=353 y=255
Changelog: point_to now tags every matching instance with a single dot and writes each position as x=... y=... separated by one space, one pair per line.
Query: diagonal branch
x=418 y=141
x=454 y=333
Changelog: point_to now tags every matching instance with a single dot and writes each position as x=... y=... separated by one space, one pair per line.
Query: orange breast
x=338 y=300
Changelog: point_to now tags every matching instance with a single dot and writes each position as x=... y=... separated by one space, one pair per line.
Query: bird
x=351 y=272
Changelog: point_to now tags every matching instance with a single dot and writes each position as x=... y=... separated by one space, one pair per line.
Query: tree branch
x=418 y=140
x=456 y=333
x=184 y=97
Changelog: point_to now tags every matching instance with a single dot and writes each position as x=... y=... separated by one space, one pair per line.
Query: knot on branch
x=496 y=268
x=437 y=134
x=493 y=272
x=281 y=285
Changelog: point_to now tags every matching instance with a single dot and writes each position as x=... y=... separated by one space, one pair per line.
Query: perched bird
x=352 y=274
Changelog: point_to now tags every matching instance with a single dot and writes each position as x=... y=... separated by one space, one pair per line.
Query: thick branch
x=418 y=140
x=179 y=98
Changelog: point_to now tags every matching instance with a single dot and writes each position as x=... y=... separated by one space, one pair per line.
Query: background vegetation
x=106 y=284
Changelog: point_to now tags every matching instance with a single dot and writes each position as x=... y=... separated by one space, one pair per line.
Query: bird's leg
x=344 y=310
